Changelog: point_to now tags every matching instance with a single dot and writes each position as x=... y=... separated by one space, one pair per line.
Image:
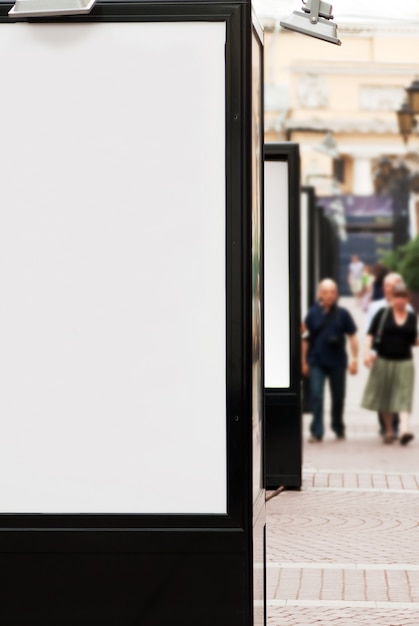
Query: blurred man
x=324 y=356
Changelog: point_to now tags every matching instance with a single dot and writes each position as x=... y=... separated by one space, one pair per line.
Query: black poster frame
x=283 y=445
x=154 y=569
x=258 y=348
x=238 y=278
x=311 y=245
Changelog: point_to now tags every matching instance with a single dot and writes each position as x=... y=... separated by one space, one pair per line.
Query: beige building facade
x=319 y=94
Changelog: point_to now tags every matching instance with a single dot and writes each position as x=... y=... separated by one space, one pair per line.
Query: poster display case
x=282 y=316
x=132 y=358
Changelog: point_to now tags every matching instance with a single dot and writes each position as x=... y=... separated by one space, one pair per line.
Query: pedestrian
x=324 y=357
x=356 y=267
x=390 y=281
x=388 y=354
x=380 y=271
x=367 y=284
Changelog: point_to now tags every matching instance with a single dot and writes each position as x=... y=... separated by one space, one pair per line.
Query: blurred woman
x=380 y=271
x=388 y=352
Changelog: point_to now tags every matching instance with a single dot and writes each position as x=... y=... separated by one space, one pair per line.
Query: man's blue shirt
x=327 y=332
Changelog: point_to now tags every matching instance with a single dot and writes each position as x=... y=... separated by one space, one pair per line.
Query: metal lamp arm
x=314 y=11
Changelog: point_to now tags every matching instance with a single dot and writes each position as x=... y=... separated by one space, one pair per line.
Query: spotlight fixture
x=314 y=20
x=50 y=8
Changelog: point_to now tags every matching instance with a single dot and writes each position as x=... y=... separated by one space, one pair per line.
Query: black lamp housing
x=406 y=120
x=413 y=96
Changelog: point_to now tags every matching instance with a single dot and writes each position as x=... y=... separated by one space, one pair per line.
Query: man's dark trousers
x=337 y=381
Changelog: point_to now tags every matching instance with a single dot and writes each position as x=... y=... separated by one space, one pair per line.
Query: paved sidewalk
x=345 y=549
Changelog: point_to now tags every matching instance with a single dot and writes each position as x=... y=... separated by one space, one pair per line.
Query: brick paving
x=345 y=550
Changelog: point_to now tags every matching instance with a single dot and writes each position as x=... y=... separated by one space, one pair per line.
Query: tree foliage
x=405 y=260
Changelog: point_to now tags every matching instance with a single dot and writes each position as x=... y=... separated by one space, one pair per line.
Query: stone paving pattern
x=345 y=549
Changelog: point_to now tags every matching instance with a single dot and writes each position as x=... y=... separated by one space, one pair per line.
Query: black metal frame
x=282 y=406
x=258 y=508
x=237 y=326
x=311 y=244
x=214 y=552
x=328 y=246
x=289 y=153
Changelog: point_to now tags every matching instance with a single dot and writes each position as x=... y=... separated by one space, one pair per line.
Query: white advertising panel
x=304 y=252
x=277 y=302
x=112 y=268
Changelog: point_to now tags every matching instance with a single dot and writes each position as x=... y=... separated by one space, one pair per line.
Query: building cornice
x=373 y=126
x=355 y=27
x=356 y=68
x=378 y=28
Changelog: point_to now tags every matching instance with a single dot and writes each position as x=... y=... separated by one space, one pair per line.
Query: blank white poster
x=112 y=268
x=304 y=252
x=277 y=324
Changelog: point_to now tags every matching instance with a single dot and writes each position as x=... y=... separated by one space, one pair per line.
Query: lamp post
x=409 y=109
x=400 y=181
x=400 y=193
x=395 y=181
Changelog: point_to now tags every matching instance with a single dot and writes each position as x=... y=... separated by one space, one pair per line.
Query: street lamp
x=406 y=121
x=413 y=97
x=410 y=108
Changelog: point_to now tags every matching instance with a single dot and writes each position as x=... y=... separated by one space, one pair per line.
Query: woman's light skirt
x=389 y=387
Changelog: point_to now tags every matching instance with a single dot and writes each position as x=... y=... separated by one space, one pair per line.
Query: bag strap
x=325 y=322
x=380 y=328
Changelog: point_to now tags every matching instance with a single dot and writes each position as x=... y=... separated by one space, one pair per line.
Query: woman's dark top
x=396 y=341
